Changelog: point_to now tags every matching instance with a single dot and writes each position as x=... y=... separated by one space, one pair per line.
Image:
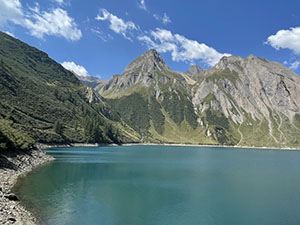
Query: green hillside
x=43 y=102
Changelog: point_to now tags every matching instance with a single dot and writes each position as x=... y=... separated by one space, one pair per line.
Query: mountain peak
x=228 y=62
x=194 y=70
x=232 y=61
x=253 y=57
x=152 y=51
x=148 y=62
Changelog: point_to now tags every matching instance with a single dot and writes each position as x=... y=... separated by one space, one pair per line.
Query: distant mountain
x=145 y=71
x=40 y=101
x=91 y=81
x=194 y=70
x=240 y=101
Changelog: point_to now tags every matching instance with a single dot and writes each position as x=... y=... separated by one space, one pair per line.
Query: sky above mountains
x=100 y=38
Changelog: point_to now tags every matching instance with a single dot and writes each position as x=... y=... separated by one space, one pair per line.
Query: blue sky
x=102 y=37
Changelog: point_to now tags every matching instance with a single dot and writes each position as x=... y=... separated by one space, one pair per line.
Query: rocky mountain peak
x=194 y=70
x=225 y=61
x=238 y=63
x=147 y=63
x=153 y=52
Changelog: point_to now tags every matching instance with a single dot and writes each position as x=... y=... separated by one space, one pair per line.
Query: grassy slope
x=36 y=92
x=168 y=119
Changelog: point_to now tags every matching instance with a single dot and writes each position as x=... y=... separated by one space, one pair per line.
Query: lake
x=165 y=185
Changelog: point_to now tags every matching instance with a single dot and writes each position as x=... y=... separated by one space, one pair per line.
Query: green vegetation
x=156 y=114
x=12 y=138
x=209 y=98
x=58 y=127
x=296 y=120
x=189 y=113
x=179 y=108
x=43 y=102
x=134 y=110
x=223 y=130
x=173 y=105
x=224 y=74
x=137 y=88
x=216 y=118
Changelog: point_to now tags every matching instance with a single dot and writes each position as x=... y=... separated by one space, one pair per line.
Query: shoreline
x=217 y=146
x=14 y=165
x=46 y=146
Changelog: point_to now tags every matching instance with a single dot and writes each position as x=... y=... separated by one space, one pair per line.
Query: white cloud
x=117 y=24
x=181 y=48
x=11 y=11
x=9 y=33
x=295 y=65
x=156 y=16
x=77 y=69
x=56 y=22
x=142 y=5
x=60 y=2
x=100 y=34
x=289 y=39
x=164 y=19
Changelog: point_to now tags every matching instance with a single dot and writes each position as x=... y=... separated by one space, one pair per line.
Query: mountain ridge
x=238 y=102
x=229 y=100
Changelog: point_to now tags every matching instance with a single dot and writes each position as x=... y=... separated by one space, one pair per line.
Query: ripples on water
x=165 y=185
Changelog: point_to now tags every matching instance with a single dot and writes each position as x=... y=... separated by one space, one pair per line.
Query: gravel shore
x=12 y=166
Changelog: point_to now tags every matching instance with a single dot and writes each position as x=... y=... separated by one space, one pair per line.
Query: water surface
x=165 y=185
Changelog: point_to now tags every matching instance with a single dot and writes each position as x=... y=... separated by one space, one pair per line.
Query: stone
x=12 y=219
x=12 y=197
x=12 y=212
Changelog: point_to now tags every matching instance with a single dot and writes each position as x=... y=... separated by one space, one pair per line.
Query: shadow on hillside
x=5 y=163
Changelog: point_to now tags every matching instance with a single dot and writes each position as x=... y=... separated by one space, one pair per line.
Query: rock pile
x=12 y=166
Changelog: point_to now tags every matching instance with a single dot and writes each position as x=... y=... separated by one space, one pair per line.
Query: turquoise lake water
x=165 y=185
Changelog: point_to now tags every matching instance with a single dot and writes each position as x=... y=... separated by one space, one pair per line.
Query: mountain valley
x=239 y=101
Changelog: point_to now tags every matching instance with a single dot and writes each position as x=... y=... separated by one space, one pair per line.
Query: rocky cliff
x=240 y=101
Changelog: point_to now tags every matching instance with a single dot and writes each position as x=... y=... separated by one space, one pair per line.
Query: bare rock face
x=142 y=71
x=255 y=85
x=92 y=96
x=253 y=89
x=194 y=70
x=91 y=81
x=147 y=63
x=240 y=101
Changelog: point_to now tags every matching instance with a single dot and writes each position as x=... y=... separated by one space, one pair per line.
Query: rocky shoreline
x=12 y=166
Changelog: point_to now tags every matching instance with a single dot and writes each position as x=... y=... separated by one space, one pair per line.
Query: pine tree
x=58 y=127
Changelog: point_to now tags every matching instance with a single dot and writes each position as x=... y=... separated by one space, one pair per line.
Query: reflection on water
x=165 y=185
